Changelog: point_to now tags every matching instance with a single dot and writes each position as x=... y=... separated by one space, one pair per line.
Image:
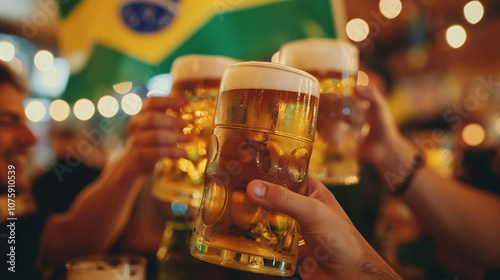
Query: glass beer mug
x=340 y=117
x=196 y=78
x=264 y=125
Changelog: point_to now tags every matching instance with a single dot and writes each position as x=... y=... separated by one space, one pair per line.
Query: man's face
x=15 y=136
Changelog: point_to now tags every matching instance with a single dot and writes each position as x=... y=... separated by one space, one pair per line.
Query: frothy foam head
x=268 y=75
x=192 y=66
x=320 y=54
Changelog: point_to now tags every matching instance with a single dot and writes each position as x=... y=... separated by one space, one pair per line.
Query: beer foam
x=194 y=66
x=321 y=54
x=268 y=75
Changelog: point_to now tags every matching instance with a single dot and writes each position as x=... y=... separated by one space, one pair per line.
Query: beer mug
x=340 y=118
x=264 y=125
x=196 y=78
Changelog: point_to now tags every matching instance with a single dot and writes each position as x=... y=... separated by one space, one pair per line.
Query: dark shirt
x=26 y=232
x=55 y=190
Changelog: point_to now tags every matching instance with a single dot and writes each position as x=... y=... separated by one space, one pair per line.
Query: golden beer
x=263 y=129
x=196 y=78
x=340 y=117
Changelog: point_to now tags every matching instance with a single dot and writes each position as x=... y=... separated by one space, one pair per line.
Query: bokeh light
x=44 y=60
x=363 y=79
x=7 y=51
x=162 y=82
x=108 y=106
x=156 y=92
x=131 y=104
x=456 y=36
x=473 y=134
x=473 y=12
x=390 y=8
x=35 y=111
x=357 y=29
x=52 y=77
x=497 y=126
x=276 y=57
x=84 y=109
x=123 y=88
x=59 y=110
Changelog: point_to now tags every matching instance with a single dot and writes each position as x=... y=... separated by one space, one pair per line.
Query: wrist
x=370 y=265
x=398 y=162
x=393 y=152
x=123 y=167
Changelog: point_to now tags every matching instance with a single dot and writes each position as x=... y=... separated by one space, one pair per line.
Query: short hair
x=7 y=76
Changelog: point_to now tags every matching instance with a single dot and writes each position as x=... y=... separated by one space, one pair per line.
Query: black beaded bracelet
x=419 y=161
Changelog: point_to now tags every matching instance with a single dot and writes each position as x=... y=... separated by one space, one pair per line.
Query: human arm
x=101 y=212
x=460 y=217
x=334 y=247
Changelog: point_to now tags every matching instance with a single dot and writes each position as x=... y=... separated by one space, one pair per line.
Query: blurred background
x=91 y=63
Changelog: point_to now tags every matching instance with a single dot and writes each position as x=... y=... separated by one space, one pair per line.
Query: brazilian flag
x=111 y=41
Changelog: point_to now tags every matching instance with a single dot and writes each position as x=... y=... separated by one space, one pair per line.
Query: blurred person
x=100 y=214
x=116 y=212
x=70 y=173
x=461 y=218
x=18 y=238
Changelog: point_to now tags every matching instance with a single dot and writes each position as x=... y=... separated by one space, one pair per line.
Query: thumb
x=305 y=210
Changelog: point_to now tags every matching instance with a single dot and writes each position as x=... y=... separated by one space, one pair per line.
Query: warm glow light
x=84 y=109
x=357 y=29
x=52 y=77
x=59 y=110
x=497 y=126
x=131 y=104
x=35 y=111
x=7 y=51
x=417 y=57
x=473 y=134
x=162 y=82
x=363 y=79
x=44 y=60
x=108 y=106
x=456 y=36
x=156 y=92
x=16 y=65
x=123 y=88
x=390 y=8
x=276 y=57
x=473 y=12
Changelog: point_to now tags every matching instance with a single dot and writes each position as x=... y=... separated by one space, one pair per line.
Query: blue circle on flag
x=148 y=17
